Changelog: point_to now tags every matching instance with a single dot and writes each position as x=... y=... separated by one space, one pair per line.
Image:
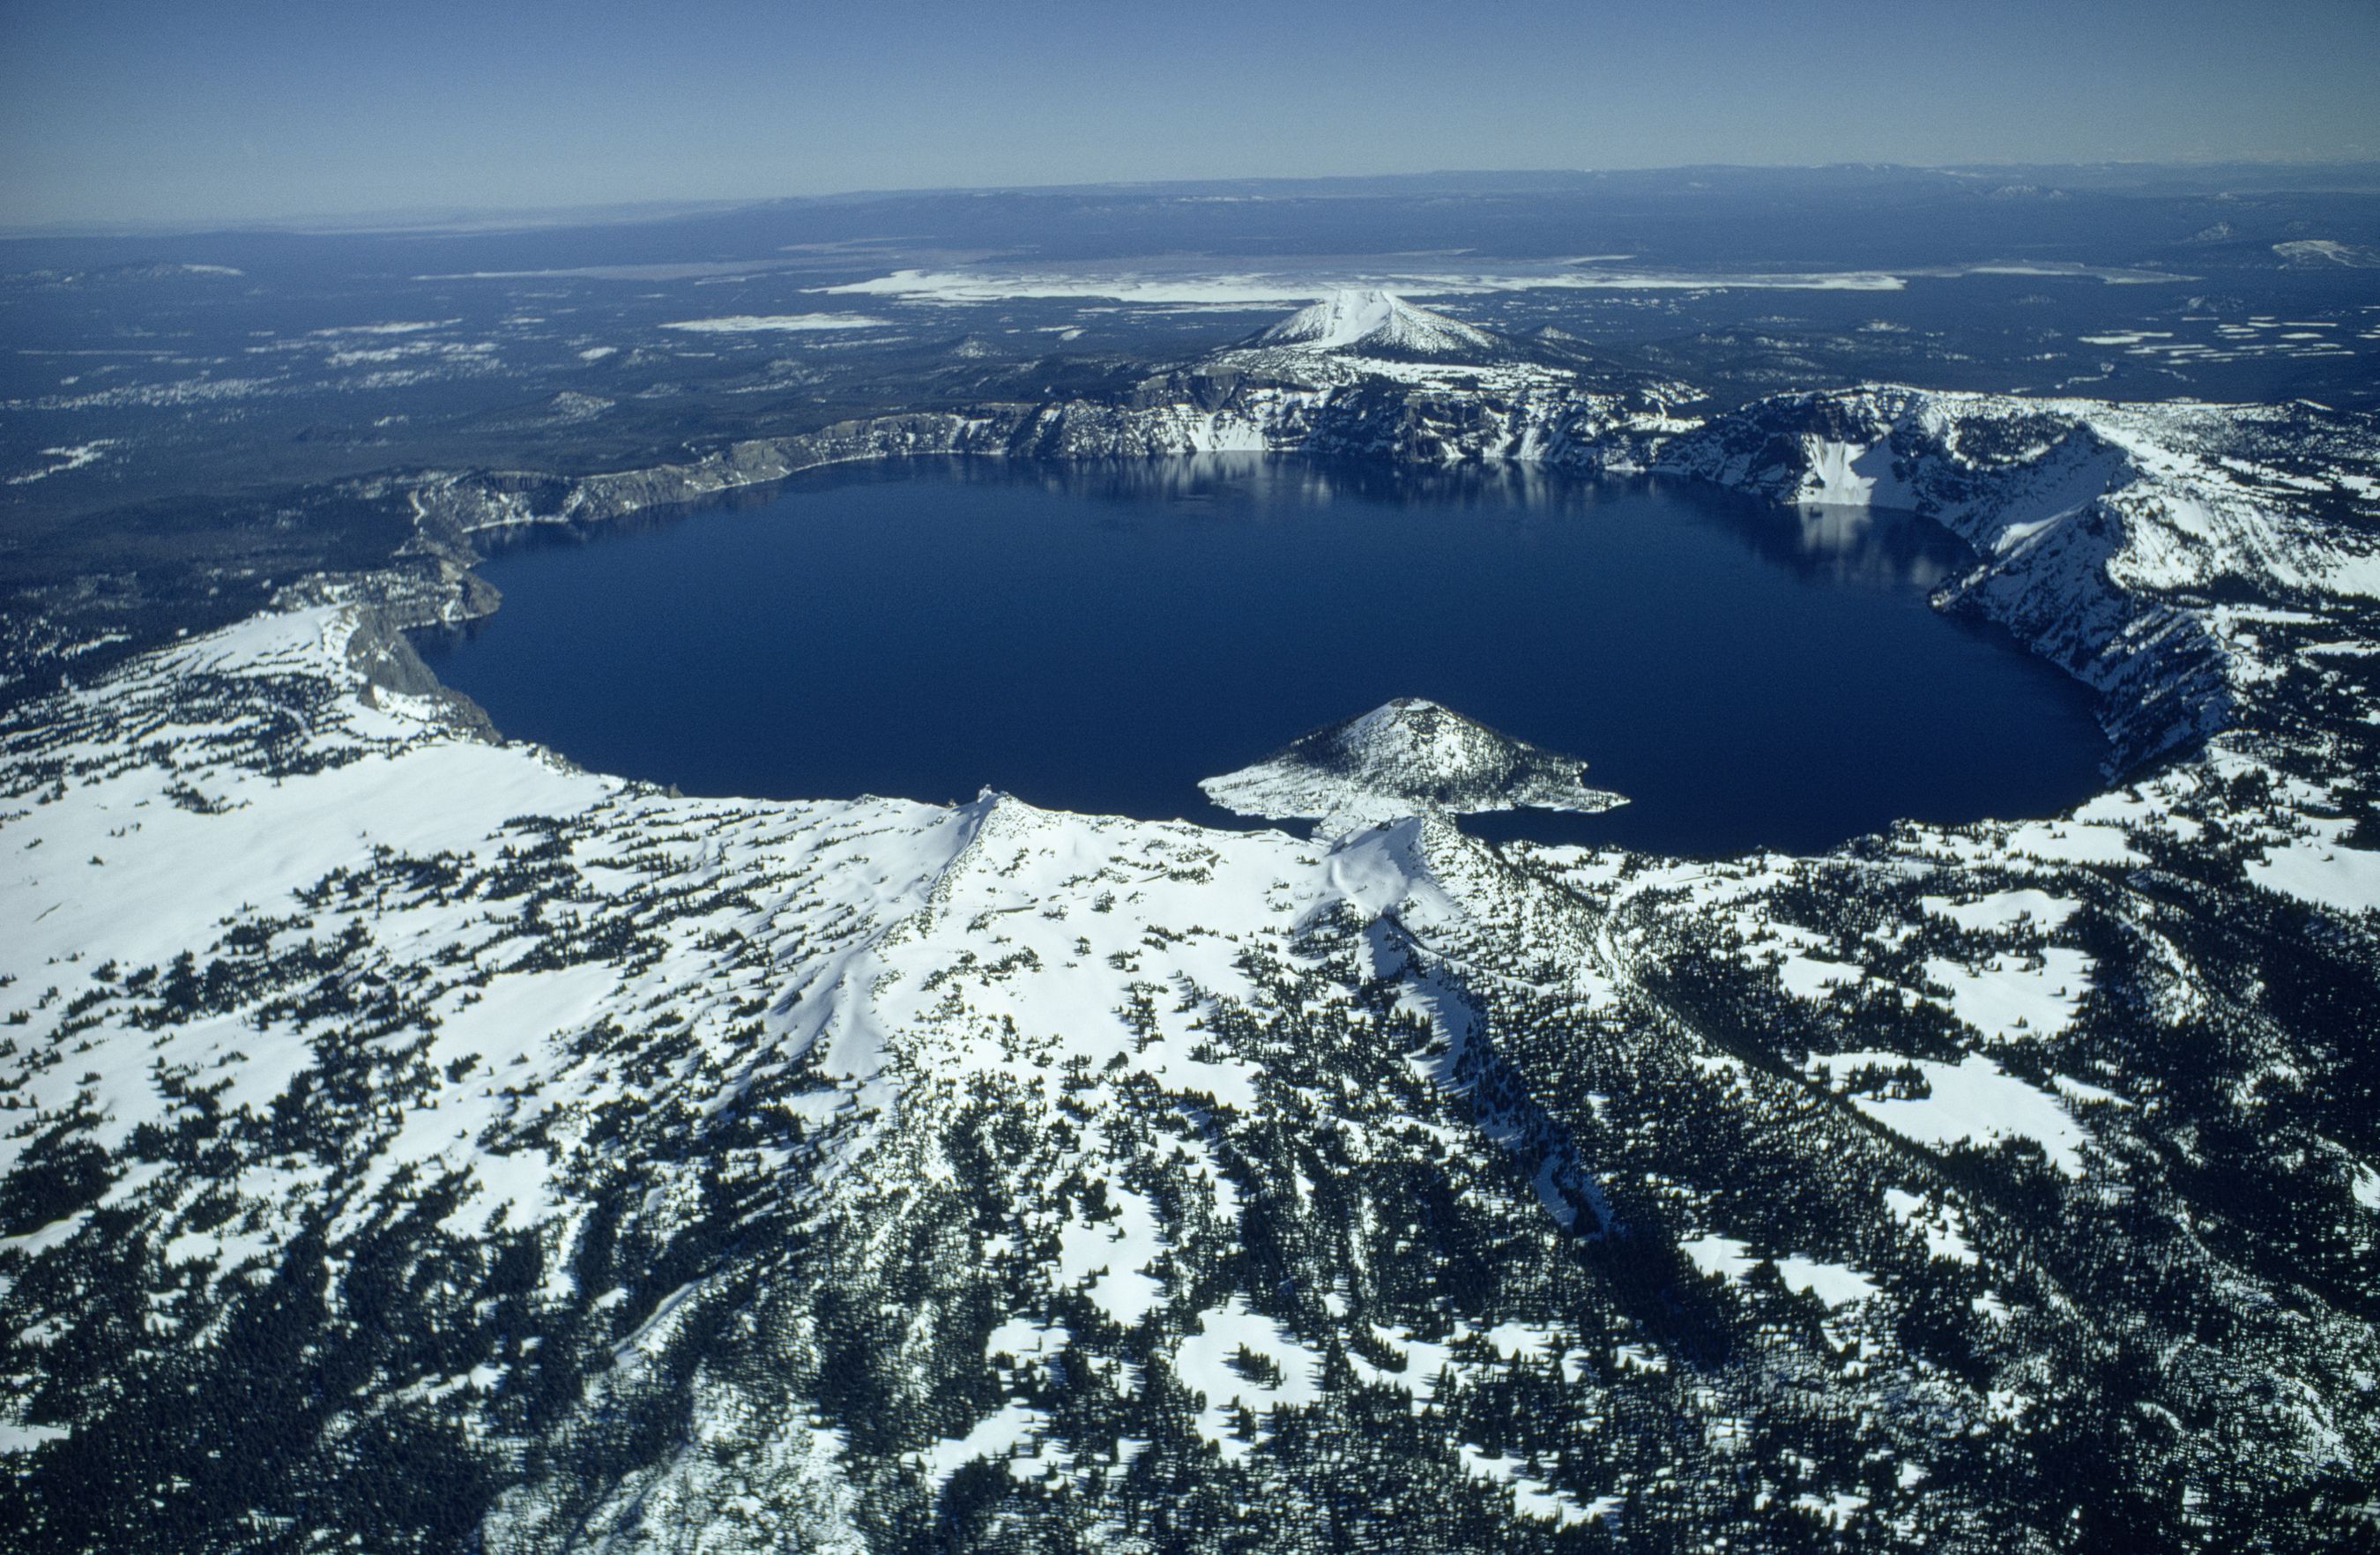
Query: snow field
x=1973 y=1101
x=1211 y=1363
x=776 y=323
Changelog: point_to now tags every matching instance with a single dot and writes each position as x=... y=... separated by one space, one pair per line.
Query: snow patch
x=1972 y=1101
x=776 y=323
x=1242 y=1359
x=2321 y=869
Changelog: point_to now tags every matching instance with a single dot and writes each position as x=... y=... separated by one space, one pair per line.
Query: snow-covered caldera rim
x=1408 y=757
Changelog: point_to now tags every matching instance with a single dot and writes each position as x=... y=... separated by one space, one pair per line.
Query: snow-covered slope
x=2109 y=534
x=1373 y=322
x=1405 y=757
x=659 y=1174
x=414 y=1143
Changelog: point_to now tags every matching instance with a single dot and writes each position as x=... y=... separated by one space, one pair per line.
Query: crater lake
x=1099 y=637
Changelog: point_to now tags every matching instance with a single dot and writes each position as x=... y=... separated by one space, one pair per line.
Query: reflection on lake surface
x=1862 y=546
x=1098 y=637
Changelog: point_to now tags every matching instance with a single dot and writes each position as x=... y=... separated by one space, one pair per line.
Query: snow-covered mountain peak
x=1407 y=757
x=1364 y=319
x=1413 y=729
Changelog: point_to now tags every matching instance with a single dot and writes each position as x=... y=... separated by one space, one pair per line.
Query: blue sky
x=137 y=111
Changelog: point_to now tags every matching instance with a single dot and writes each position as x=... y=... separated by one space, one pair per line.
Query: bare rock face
x=1408 y=757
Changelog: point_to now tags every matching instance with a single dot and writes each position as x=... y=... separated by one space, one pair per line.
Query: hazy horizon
x=459 y=218
x=134 y=114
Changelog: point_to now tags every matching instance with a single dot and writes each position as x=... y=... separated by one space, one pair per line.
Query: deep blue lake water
x=1099 y=638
